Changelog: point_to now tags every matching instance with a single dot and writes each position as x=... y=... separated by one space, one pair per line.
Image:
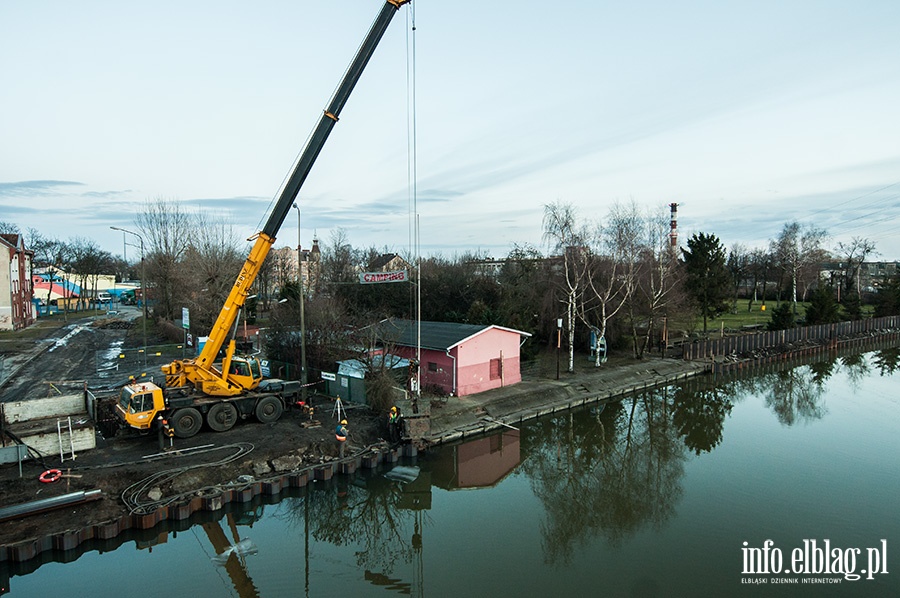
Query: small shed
x=459 y=359
x=349 y=382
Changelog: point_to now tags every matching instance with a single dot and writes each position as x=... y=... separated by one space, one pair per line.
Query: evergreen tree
x=887 y=301
x=852 y=306
x=782 y=317
x=822 y=309
x=708 y=278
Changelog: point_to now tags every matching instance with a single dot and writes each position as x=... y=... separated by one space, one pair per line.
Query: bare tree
x=51 y=256
x=853 y=255
x=657 y=279
x=167 y=229
x=738 y=264
x=213 y=259
x=283 y=270
x=566 y=236
x=265 y=286
x=759 y=261
x=339 y=260
x=798 y=247
x=615 y=253
x=87 y=262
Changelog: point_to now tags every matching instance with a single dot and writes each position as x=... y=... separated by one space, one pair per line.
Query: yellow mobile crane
x=196 y=390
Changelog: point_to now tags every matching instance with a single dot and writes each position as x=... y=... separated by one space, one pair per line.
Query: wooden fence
x=808 y=354
x=746 y=343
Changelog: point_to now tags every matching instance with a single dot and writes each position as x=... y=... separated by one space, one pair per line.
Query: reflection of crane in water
x=418 y=569
x=231 y=556
x=415 y=495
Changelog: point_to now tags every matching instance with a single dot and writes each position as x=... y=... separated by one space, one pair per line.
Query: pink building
x=16 y=309
x=460 y=359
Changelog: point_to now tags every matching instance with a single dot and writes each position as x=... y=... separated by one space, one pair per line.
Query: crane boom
x=201 y=373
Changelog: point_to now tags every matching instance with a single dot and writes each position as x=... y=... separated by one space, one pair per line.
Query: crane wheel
x=269 y=409
x=186 y=422
x=221 y=417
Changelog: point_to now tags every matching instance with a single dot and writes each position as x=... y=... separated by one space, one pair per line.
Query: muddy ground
x=71 y=354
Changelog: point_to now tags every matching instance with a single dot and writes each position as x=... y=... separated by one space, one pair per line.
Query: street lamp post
x=143 y=289
x=302 y=309
x=558 y=343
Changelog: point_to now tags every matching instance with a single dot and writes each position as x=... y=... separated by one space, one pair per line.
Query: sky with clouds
x=747 y=114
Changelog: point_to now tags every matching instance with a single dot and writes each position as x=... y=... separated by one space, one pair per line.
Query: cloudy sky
x=747 y=114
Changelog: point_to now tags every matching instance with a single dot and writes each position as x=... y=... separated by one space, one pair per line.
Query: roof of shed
x=439 y=336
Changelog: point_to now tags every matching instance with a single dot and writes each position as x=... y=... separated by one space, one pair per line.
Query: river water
x=700 y=489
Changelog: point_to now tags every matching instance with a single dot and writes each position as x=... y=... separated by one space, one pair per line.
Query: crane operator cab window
x=136 y=399
x=247 y=368
x=239 y=368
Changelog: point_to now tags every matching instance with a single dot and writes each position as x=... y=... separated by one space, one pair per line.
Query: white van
x=104 y=297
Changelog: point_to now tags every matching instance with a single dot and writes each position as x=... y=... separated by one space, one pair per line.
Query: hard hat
x=343 y=422
x=393 y=408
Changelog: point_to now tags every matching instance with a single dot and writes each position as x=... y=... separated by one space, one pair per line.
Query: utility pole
x=143 y=288
x=302 y=309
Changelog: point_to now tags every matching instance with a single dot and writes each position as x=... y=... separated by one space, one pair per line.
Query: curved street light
x=143 y=290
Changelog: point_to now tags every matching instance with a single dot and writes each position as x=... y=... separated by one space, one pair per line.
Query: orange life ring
x=50 y=476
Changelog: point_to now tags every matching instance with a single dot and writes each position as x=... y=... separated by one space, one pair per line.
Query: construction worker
x=341 y=432
x=394 y=425
x=165 y=431
x=160 y=421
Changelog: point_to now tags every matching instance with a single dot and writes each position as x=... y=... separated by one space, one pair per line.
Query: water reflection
x=699 y=415
x=796 y=392
x=371 y=512
x=857 y=368
x=604 y=472
x=480 y=463
x=795 y=396
x=232 y=555
x=600 y=475
x=887 y=361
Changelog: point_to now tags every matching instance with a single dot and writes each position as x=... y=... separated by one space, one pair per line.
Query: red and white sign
x=380 y=277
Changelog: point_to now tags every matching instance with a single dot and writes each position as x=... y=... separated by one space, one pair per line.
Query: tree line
x=80 y=258
x=618 y=277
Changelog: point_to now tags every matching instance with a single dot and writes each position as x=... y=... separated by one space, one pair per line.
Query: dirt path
x=82 y=350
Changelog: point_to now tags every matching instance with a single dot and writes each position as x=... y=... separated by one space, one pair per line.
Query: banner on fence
x=381 y=277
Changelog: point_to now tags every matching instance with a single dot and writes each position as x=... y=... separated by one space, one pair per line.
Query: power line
x=837 y=205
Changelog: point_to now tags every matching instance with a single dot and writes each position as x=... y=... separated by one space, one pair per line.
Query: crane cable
x=412 y=175
x=411 y=125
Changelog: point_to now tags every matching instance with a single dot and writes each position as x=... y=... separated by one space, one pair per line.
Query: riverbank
x=462 y=417
x=141 y=486
x=210 y=470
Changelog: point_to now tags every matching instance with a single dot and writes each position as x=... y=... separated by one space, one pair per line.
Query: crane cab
x=139 y=403
x=245 y=371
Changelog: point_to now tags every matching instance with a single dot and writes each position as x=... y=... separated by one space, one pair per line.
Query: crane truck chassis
x=199 y=390
x=143 y=404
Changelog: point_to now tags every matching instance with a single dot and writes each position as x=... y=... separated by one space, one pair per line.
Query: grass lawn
x=755 y=316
